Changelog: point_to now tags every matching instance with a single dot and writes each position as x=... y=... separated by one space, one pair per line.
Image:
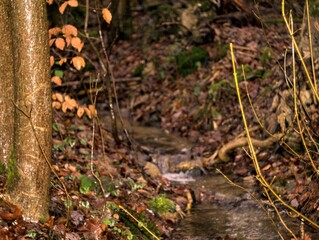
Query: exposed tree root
x=223 y=153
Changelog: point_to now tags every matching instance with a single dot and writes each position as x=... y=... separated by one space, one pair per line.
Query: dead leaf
x=56 y=105
x=69 y=30
x=51 y=61
x=68 y=40
x=69 y=103
x=88 y=112
x=80 y=112
x=49 y=2
x=51 y=41
x=72 y=236
x=57 y=80
x=93 y=110
x=62 y=60
x=107 y=15
x=54 y=31
x=73 y=3
x=77 y=43
x=59 y=97
x=60 y=43
x=76 y=217
x=78 y=62
x=63 y=7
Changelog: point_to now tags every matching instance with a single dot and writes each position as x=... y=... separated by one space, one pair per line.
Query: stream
x=233 y=214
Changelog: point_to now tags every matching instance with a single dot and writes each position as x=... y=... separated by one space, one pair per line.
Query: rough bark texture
x=121 y=25
x=6 y=84
x=33 y=107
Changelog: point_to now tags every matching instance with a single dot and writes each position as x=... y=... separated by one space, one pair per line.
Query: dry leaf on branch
x=62 y=60
x=57 y=80
x=69 y=103
x=73 y=3
x=57 y=96
x=63 y=7
x=54 y=31
x=56 y=105
x=51 y=61
x=88 y=112
x=80 y=112
x=107 y=15
x=69 y=30
x=51 y=41
x=77 y=43
x=60 y=43
x=93 y=110
x=78 y=62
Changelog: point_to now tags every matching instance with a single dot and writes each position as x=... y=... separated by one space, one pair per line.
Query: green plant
x=189 y=61
x=134 y=186
x=87 y=184
x=162 y=204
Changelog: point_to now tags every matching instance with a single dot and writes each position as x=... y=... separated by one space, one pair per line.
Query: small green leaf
x=58 y=73
x=87 y=184
x=85 y=204
x=55 y=127
x=109 y=222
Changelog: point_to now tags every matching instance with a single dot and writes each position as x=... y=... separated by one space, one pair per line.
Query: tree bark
x=121 y=25
x=6 y=85
x=29 y=183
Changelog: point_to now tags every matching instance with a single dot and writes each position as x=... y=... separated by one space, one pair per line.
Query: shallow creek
x=231 y=215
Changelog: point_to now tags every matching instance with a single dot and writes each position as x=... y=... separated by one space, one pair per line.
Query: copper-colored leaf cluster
x=67 y=103
x=64 y=37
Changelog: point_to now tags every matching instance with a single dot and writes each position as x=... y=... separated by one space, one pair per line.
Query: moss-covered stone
x=162 y=204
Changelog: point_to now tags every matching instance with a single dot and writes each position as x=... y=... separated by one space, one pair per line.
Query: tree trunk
x=6 y=86
x=28 y=182
x=121 y=25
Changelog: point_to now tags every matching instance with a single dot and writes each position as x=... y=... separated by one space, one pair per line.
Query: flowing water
x=233 y=214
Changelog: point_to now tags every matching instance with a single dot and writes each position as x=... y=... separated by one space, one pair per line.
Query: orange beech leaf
x=78 y=62
x=77 y=43
x=107 y=15
x=54 y=31
x=64 y=107
x=63 y=7
x=56 y=80
x=81 y=46
x=59 y=97
x=80 y=112
x=56 y=105
x=51 y=61
x=68 y=40
x=53 y=96
x=60 y=43
x=93 y=110
x=88 y=112
x=70 y=102
x=49 y=2
x=73 y=3
x=69 y=30
x=51 y=41
x=62 y=60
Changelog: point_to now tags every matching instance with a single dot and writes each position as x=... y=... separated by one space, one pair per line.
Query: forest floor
x=180 y=81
